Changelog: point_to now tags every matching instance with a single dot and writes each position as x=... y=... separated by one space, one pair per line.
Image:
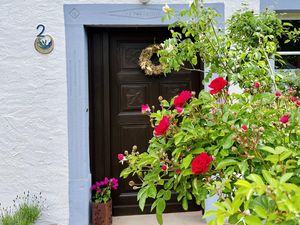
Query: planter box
x=102 y=213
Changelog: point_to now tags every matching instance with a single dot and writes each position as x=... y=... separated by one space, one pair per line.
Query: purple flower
x=93 y=187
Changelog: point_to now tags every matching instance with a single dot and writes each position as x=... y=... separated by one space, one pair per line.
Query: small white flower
x=166 y=8
x=191 y=2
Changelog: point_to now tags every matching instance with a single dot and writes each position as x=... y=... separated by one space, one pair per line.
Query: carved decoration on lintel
x=141 y=13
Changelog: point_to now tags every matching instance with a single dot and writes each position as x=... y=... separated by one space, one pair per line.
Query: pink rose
x=120 y=157
x=179 y=110
x=277 y=93
x=145 y=108
x=294 y=99
x=284 y=119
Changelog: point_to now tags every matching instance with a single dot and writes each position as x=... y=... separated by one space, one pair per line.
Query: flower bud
x=131 y=183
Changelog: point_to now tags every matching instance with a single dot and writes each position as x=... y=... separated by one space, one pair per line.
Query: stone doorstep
x=184 y=218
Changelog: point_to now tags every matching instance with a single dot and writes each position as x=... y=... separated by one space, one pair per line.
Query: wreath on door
x=146 y=63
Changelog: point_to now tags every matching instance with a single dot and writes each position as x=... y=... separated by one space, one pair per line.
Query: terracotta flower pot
x=102 y=213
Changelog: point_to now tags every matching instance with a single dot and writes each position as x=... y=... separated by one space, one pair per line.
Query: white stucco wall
x=33 y=102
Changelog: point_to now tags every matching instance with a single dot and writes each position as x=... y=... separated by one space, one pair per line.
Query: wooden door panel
x=128 y=88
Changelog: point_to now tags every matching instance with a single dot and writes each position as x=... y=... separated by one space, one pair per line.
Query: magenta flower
x=93 y=187
x=145 y=108
x=114 y=183
x=257 y=85
x=120 y=157
x=179 y=110
x=294 y=99
x=277 y=93
x=284 y=119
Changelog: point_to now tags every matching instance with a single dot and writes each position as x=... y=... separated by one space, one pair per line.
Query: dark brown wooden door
x=118 y=88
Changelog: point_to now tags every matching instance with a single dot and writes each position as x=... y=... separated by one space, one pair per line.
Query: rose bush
x=244 y=148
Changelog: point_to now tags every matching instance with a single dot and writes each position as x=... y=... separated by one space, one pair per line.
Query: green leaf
x=285 y=155
x=159 y=218
x=152 y=191
x=210 y=213
x=185 y=205
x=167 y=195
x=284 y=178
x=161 y=205
x=280 y=149
x=266 y=174
x=243 y=183
x=141 y=192
x=187 y=161
x=261 y=212
x=268 y=149
x=142 y=201
x=125 y=173
x=228 y=142
x=160 y=193
x=256 y=178
x=253 y=220
x=226 y=162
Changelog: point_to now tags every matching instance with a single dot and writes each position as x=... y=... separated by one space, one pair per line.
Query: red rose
x=298 y=103
x=181 y=99
x=120 y=157
x=201 y=163
x=217 y=85
x=244 y=127
x=257 y=84
x=162 y=127
x=178 y=171
x=277 y=93
x=284 y=119
x=164 y=167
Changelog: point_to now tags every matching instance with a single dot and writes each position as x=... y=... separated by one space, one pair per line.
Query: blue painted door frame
x=77 y=16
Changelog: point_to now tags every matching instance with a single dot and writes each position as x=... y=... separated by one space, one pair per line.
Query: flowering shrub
x=26 y=210
x=244 y=148
x=103 y=188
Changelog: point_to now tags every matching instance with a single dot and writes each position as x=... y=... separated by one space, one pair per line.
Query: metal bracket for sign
x=43 y=43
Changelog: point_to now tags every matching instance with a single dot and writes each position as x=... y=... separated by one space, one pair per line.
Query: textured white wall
x=33 y=102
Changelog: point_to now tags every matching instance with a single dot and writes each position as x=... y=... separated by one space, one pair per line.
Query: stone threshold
x=182 y=218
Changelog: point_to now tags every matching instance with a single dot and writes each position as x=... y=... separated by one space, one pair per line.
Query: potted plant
x=243 y=147
x=102 y=203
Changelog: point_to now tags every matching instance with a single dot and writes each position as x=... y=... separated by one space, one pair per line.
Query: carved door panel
x=119 y=88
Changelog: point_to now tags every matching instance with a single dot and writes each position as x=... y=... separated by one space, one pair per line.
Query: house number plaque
x=43 y=43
